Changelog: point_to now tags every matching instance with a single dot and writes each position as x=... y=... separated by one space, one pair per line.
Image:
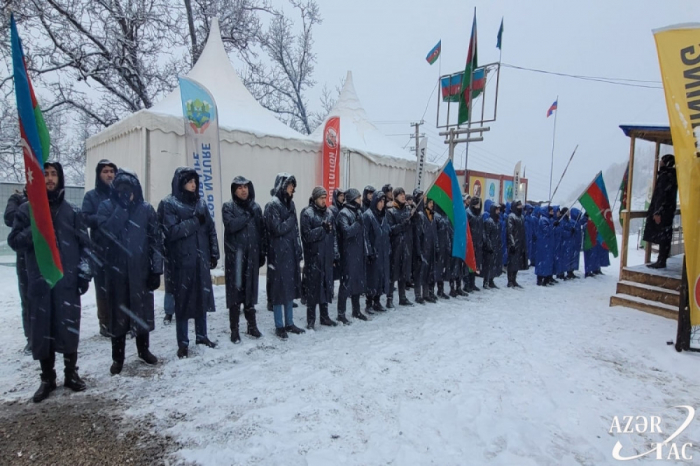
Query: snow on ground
x=507 y=377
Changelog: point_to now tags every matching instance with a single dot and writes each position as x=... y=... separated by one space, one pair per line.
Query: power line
x=607 y=80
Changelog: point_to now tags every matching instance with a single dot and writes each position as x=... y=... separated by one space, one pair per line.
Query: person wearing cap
x=318 y=238
x=133 y=264
x=353 y=254
x=401 y=236
x=658 y=228
x=378 y=252
x=517 y=244
x=244 y=247
x=284 y=254
x=367 y=195
x=54 y=312
x=104 y=174
x=388 y=193
x=193 y=250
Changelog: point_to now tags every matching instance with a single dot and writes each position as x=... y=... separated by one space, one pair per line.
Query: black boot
x=118 y=344
x=294 y=329
x=252 y=323
x=539 y=280
x=325 y=318
x=142 y=345
x=281 y=333
x=182 y=352
x=342 y=319
x=71 y=378
x=485 y=284
x=206 y=342
x=234 y=317
x=310 y=316
x=510 y=280
x=390 y=303
x=515 y=280
x=377 y=305
x=48 y=379
x=453 y=290
x=492 y=285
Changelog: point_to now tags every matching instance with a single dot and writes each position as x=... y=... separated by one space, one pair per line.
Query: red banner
x=331 y=157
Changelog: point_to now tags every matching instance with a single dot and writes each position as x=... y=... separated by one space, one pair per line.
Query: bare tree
x=328 y=100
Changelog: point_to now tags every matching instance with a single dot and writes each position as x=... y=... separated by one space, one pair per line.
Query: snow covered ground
x=507 y=377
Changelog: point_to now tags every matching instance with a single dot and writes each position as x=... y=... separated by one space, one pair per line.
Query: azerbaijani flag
x=35 y=147
x=445 y=192
x=434 y=53
x=552 y=108
x=623 y=194
x=467 y=90
x=595 y=200
x=450 y=87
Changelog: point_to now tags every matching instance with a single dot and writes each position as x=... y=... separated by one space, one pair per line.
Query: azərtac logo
x=664 y=450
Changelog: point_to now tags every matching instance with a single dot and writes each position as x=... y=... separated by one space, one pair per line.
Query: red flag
x=331 y=157
x=470 y=260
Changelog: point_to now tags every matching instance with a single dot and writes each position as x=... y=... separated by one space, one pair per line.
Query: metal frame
x=486 y=68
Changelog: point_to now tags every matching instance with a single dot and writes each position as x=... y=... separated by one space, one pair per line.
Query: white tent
x=367 y=155
x=253 y=142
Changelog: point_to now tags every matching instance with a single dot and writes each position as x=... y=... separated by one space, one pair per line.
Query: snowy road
x=507 y=377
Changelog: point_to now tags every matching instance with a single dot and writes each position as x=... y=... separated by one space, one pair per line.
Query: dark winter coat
x=365 y=198
x=353 y=252
x=504 y=229
x=132 y=251
x=284 y=252
x=429 y=246
x=401 y=235
x=517 y=243
x=663 y=203
x=54 y=313
x=377 y=233
x=192 y=247
x=544 y=266
x=492 y=267
x=444 y=245
x=320 y=251
x=13 y=203
x=476 y=226
x=244 y=246
x=335 y=208
x=167 y=274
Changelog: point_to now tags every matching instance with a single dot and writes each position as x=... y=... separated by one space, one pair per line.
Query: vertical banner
x=420 y=168
x=678 y=48
x=331 y=157
x=202 y=145
x=516 y=182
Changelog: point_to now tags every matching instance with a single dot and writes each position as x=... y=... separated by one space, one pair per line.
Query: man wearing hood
x=530 y=221
x=389 y=194
x=17 y=199
x=576 y=242
x=417 y=204
x=367 y=195
x=54 y=313
x=193 y=250
x=284 y=254
x=244 y=246
x=169 y=297
x=378 y=248
x=476 y=226
x=491 y=266
x=133 y=264
x=544 y=266
x=104 y=174
x=401 y=235
x=336 y=207
x=443 y=270
x=318 y=237
x=353 y=254
x=565 y=233
x=517 y=244
x=425 y=284
x=658 y=228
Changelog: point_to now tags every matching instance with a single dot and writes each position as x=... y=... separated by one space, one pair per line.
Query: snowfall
x=506 y=377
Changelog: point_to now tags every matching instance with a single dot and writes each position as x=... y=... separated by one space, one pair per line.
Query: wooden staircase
x=648 y=290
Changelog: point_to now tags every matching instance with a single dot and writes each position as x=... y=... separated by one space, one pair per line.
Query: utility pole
x=452 y=139
x=417 y=136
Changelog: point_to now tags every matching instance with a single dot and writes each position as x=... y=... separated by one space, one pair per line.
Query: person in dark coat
x=389 y=193
x=476 y=226
x=443 y=271
x=192 y=251
x=517 y=244
x=133 y=264
x=169 y=297
x=104 y=174
x=353 y=255
x=244 y=246
x=54 y=313
x=417 y=205
x=491 y=267
x=377 y=233
x=505 y=212
x=544 y=267
x=17 y=199
x=565 y=232
x=367 y=195
x=318 y=237
x=530 y=226
x=284 y=254
x=425 y=281
x=658 y=228
x=401 y=235
x=336 y=207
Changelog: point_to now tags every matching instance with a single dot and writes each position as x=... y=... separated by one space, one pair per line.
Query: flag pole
x=554 y=134
x=469 y=108
x=564 y=173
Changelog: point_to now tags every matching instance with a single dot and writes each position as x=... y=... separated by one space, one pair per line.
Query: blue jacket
x=577 y=241
x=544 y=265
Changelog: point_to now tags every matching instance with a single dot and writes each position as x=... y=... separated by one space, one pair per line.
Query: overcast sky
x=384 y=43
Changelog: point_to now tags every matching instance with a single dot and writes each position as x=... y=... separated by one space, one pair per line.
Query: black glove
x=153 y=282
x=201 y=217
x=556 y=223
x=201 y=213
x=83 y=285
x=213 y=263
x=327 y=226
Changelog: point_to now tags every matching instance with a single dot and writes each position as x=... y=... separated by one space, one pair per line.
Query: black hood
x=242 y=181
x=378 y=196
x=336 y=193
x=475 y=205
x=183 y=176
x=368 y=189
x=492 y=212
x=99 y=185
x=57 y=194
x=282 y=180
x=514 y=208
x=176 y=179
x=125 y=176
